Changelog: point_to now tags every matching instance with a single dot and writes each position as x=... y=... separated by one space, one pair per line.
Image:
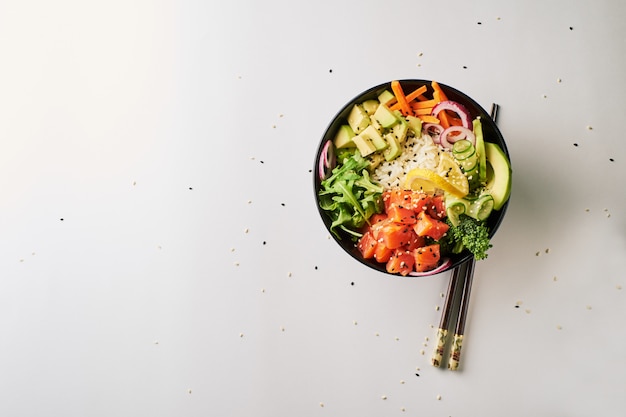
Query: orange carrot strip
x=397 y=91
x=416 y=93
x=429 y=119
x=437 y=88
x=423 y=104
x=425 y=111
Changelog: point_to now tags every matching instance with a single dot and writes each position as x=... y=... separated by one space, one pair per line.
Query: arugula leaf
x=350 y=196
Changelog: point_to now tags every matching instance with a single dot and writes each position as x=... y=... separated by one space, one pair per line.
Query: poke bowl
x=412 y=178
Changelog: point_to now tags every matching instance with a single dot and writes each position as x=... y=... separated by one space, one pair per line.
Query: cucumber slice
x=463 y=149
x=454 y=208
x=480 y=150
x=481 y=208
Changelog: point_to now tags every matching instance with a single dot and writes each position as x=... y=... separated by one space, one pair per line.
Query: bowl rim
x=475 y=110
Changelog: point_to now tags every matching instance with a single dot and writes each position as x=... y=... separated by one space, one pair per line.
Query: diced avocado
x=415 y=124
x=364 y=145
x=498 y=175
x=370 y=106
x=395 y=148
x=370 y=133
x=358 y=119
x=377 y=126
x=480 y=150
x=343 y=138
x=401 y=130
x=385 y=117
x=375 y=159
x=385 y=97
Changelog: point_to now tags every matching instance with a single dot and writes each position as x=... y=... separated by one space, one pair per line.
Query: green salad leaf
x=349 y=196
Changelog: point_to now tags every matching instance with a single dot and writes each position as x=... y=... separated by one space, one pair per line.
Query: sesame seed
x=438 y=397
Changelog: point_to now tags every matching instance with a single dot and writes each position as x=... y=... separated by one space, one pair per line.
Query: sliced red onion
x=458 y=108
x=455 y=133
x=444 y=265
x=327 y=160
x=433 y=130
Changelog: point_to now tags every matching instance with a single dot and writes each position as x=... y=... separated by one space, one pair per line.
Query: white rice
x=418 y=152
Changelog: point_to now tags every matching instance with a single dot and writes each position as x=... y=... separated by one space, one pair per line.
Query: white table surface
x=160 y=249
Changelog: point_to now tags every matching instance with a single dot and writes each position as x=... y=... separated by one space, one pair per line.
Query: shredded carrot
x=424 y=104
x=439 y=91
x=440 y=96
x=411 y=97
x=402 y=101
x=422 y=112
x=416 y=93
x=427 y=118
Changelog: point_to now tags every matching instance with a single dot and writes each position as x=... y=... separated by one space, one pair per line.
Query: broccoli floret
x=470 y=234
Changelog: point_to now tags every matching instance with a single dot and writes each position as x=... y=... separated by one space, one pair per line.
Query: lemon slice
x=449 y=178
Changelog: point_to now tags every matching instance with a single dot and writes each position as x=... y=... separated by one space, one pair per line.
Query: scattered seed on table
x=322 y=404
x=384 y=397
x=401 y=381
x=236 y=263
x=354 y=322
x=438 y=397
x=619 y=287
x=547 y=250
x=589 y=127
x=397 y=339
x=559 y=327
x=527 y=311
x=611 y=159
x=554 y=278
x=402 y=409
x=156 y=342
x=588 y=307
x=240 y=334
x=558 y=80
x=436 y=308
x=289 y=274
x=422 y=352
x=189 y=391
x=246 y=230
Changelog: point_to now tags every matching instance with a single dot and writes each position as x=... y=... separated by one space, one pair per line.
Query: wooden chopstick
x=466 y=271
x=442 y=332
x=459 y=331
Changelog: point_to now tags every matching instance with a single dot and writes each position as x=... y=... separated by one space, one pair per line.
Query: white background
x=160 y=249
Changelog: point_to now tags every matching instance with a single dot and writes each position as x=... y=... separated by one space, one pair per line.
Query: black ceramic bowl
x=491 y=133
